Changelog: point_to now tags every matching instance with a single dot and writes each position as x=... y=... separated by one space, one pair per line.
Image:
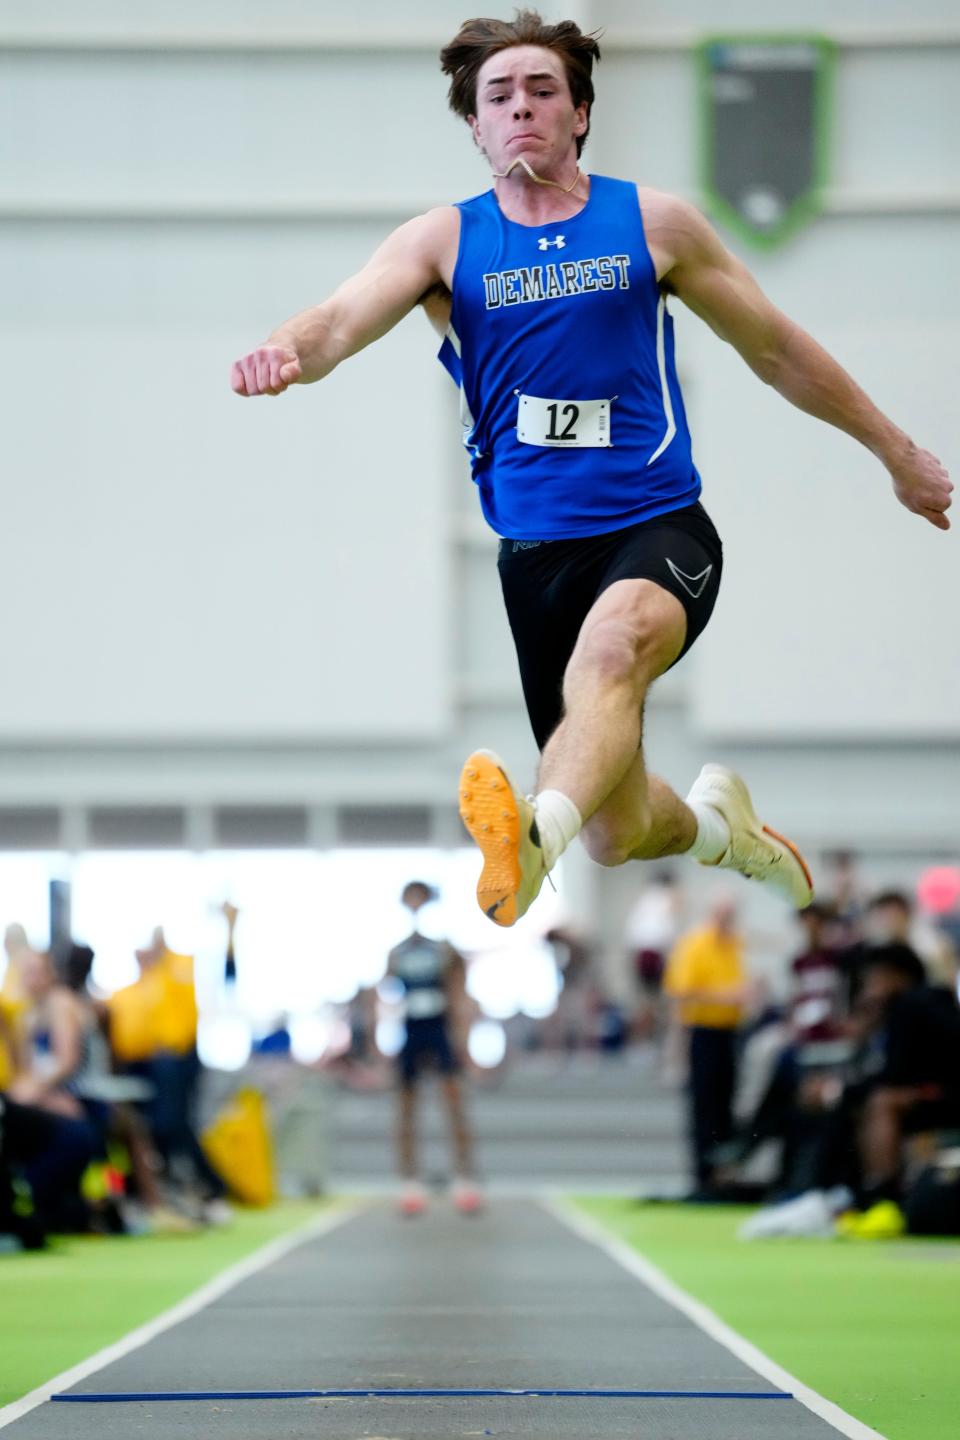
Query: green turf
x=872 y=1326
x=59 y=1306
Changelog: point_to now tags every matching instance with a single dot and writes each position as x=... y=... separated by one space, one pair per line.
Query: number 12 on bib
x=583 y=424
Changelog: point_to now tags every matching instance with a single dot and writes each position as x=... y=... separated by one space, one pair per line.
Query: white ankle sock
x=558 y=821
x=713 y=833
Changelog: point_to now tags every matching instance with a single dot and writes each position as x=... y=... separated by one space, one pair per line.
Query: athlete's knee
x=610 y=650
x=609 y=843
x=602 y=849
x=634 y=644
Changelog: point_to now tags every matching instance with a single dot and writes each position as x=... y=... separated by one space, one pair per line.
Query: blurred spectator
x=230 y=913
x=846 y=1125
x=888 y=919
x=612 y=1025
x=916 y=1030
x=821 y=1076
x=8 y=1014
x=568 y=1029
x=845 y=893
x=358 y=1063
x=16 y=945
x=50 y=1135
x=109 y=1101
x=54 y=1041
x=817 y=1003
x=706 y=979
x=362 y=1065
x=49 y=1153
x=433 y=977
x=153 y=1032
x=803 y=1081
x=158 y=1012
x=938 y=891
x=362 y=1020
x=18 y=1221
x=938 y=895
x=652 y=928
x=12 y=997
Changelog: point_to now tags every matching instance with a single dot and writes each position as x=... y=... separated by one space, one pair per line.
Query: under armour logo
x=545 y=244
x=693 y=584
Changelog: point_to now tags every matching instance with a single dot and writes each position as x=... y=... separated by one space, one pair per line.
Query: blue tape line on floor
x=153 y=1395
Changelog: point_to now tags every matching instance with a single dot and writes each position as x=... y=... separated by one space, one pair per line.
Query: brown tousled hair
x=478 y=39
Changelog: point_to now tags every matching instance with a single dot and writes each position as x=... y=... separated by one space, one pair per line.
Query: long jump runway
x=512 y=1300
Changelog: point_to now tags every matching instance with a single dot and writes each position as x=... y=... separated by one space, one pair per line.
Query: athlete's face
x=524 y=107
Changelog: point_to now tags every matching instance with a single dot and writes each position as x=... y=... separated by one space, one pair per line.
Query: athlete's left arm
x=694 y=265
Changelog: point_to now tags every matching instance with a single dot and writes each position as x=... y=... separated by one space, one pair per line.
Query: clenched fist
x=922 y=484
x=268 y=370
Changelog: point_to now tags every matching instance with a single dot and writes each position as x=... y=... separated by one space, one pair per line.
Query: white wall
x=832 y=616
x=199 y=567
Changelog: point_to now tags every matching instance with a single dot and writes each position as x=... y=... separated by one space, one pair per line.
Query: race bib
x=583 y=424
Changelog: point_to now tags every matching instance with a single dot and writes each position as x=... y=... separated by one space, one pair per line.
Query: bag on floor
x=238 y=1145
x=932 y=1206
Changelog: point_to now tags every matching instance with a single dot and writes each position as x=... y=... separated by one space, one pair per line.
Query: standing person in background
x=706 y=978
x=651 y=933
x=153 y=1032
x=846 y=896
x=13 y=997
x=569 y=1028
x=230 y=912
x=432 y=974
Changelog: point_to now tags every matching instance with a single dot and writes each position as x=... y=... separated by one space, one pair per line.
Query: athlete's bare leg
x=593 y=779
x=413 y=1196
x=460 y=1136
x=406 y=1131
x=632 y=634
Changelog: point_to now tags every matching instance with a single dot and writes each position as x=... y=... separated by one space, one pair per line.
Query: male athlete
x=433 y=977
x=551 y=289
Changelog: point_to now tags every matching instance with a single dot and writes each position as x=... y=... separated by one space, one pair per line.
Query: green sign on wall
x=764 y=104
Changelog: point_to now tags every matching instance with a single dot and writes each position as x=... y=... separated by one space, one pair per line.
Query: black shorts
x=427 y=1045
x=549 y=586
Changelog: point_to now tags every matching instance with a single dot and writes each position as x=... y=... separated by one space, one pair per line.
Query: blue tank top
x=562 y=346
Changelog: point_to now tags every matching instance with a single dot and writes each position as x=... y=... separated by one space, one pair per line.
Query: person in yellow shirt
x=158 y=1012
x=153 y=1032
x=706 y=979
x=7 y=1042
x=13 y=999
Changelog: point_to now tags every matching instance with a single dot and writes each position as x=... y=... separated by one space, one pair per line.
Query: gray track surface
x=429 y=1420
x=507 y=1299
x=598 y=1119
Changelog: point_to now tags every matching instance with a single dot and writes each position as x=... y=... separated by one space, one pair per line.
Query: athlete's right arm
x=414 y=258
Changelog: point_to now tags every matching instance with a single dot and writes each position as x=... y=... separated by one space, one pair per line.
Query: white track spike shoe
x=504 y=826
x=755 y=850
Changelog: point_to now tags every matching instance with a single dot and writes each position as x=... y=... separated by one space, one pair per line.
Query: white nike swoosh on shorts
x=690 y=581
